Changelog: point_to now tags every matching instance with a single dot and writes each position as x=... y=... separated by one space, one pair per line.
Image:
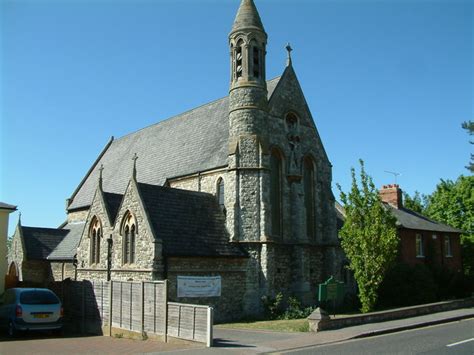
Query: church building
x=239 y=188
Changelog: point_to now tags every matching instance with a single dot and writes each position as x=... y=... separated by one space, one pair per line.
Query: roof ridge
x=48 y=228
x=113 y=193
x=174 y=189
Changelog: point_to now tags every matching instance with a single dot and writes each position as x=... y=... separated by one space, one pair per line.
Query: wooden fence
x=139 y=307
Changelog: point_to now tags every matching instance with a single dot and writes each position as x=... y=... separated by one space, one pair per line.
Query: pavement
x=225 y=340
x=255 y=342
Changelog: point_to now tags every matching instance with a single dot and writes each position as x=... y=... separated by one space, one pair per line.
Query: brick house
x=422 y=240
x=238 y=188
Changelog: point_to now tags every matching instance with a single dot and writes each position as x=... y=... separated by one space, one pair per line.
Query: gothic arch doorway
x=11 y=279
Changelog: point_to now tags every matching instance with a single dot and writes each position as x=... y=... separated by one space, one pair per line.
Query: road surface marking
x=460 y=342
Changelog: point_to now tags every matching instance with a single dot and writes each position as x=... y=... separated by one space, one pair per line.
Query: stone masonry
x=263 y=121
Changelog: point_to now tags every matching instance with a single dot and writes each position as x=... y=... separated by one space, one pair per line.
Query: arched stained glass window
x=309 y=196
x=221 y=195
x=129 y=232
x=275 y=192
x=95 y=235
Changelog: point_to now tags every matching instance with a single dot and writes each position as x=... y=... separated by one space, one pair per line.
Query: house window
x=275 y=191
x=308 y=181
x=447 y=246
x=129 y=232
x=420 y=252
x=95 y=235
x=220 y=195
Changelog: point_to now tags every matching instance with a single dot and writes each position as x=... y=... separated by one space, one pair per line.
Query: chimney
x=392 y=194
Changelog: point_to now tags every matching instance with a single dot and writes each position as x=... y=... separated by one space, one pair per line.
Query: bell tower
x=247 y=41
x=248 y=116
x=248 y=88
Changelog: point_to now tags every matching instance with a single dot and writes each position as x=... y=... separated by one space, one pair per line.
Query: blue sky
x=387 y=81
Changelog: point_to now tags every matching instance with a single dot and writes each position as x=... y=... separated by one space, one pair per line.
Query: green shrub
x=406 y=285
x=294 y=310
x=272 y=306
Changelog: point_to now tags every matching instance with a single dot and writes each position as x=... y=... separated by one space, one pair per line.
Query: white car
x=24 y=309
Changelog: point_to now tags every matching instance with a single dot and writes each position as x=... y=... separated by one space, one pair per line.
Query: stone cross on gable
x=289 y=49
x=134 y=173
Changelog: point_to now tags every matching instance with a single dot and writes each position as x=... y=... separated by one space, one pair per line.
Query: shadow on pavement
x=41 y=334
x=224 y=343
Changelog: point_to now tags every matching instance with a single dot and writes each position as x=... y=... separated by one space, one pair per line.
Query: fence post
x=179 y=320
x=210 y=321
x=121 y=304
x=131 y=304
x=165 y=301
x=110 y=306
x=83 y=307
x=143 y=308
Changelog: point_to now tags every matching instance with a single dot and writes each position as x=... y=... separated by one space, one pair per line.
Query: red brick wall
x=434 y=249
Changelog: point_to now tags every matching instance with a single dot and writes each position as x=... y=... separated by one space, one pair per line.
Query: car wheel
x=11 y=330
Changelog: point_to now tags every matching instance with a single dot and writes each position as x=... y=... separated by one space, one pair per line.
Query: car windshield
x=38 y=297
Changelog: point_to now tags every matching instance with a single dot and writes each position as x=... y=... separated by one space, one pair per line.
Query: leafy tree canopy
x=368 y=237
x=452 y=203
x=416 y=203
x=469 y=127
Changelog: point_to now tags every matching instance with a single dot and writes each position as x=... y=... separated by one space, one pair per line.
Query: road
x=450 y=338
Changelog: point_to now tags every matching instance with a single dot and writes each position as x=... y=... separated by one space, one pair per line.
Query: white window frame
x=419 y=247
x=448 y=251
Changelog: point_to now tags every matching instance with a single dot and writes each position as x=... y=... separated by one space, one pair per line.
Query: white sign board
x=199 y=286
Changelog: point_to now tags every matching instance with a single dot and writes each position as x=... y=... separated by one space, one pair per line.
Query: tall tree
x=453 y=203
x=368 y=237
x=469 y=127
x=416 y=203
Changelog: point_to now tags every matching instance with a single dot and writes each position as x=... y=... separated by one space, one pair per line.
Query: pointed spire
x=247 y=17
x=101 y=169
x=134 y=172
x=289 y=49
x=19 y=219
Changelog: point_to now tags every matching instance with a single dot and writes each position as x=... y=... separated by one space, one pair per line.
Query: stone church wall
x=233 y=281
x=62 y=270
x=97 y=210
x=77 y=216
x=15 y=254
x=144 y=266
x=36 y=272
x=296 y=271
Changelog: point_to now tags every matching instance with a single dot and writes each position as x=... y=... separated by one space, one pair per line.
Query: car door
x=5 y=306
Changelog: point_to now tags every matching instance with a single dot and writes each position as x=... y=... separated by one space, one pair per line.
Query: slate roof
x=409 y=219
x=247 y=17
x=406 y=218
x=67 y=248
x=6 y=206
x=40 y=242
x=194 y=141
x=113 y=202
x=189 y=223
